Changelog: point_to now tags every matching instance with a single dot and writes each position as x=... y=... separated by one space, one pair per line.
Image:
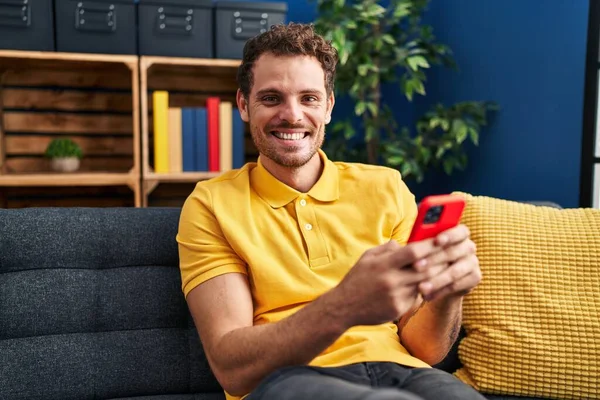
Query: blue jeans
x=372 y=381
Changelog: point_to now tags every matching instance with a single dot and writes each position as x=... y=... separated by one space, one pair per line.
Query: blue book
x=238 y=139
x=188 y=139
x=201 y=148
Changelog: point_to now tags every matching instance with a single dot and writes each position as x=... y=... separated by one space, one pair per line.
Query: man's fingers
x=453 y=235
x=387 y=247
x=412 y=252
x=417 y=252
x=449 y=254
x=466 y=282
x=460 y=276
x=408 y=276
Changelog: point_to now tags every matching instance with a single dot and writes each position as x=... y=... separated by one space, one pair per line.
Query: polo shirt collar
x=278 y=194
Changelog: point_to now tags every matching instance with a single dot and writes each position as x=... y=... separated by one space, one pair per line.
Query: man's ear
x=330 y=104
x=242 y=104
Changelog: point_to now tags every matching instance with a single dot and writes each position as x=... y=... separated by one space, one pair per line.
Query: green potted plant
x=64 y=155
x=380 y=45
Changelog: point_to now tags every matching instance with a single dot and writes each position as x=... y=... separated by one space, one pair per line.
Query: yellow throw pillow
x=533 y=323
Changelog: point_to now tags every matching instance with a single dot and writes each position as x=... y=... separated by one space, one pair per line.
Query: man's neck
x=302 y=179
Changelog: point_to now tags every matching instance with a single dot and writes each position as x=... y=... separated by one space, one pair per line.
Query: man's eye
x=269 y=99
x=310 y=99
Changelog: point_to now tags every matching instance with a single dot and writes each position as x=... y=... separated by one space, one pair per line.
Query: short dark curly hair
x=287 y=40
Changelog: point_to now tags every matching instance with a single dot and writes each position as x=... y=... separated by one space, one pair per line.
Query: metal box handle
x=174 y=21
x=96 y=17
x=249 y=25
x=15 y=13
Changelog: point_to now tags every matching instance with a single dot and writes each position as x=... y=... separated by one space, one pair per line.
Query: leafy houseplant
x=380 y=45
x=65 y=154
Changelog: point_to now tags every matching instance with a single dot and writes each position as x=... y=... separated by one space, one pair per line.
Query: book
x=212 y=109
x=175 y=140
x=188 y=139
x=160 y=112
x=201 y=138
x=238 y=139
x=225 y=136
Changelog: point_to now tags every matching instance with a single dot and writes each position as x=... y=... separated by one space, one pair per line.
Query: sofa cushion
x=91 y=306
x=532 y=326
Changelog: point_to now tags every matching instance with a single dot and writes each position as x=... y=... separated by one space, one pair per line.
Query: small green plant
x=63 y=148
x=389 y=44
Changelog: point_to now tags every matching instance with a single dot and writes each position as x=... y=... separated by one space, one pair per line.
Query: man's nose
x=291 y=112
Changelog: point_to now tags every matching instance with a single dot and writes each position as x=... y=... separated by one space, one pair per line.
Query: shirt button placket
x=303 y=213
x=309 y=229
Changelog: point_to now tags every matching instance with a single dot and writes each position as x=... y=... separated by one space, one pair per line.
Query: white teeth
x=289 y=136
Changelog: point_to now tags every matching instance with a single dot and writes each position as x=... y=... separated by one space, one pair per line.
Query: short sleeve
x=407 y=211
x=204 y=253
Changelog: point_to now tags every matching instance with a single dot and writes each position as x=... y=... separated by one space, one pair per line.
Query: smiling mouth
x=289 y=136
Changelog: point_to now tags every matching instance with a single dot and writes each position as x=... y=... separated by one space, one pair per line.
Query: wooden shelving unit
x=71 y=179
x=103 y=102
x=92 y=98
x=189 y=82
x=180 y=177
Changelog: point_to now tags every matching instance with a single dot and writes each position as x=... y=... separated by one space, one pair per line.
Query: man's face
x=287 y=108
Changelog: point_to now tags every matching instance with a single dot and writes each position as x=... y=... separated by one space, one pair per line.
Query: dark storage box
x=237 y=21
x=176 y=28
x=26 y=25
x=99 y=26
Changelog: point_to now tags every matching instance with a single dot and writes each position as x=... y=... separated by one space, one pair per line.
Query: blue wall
x=528 y=56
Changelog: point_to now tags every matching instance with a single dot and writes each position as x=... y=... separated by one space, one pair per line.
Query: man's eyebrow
x=265 y=91
x=312 y=91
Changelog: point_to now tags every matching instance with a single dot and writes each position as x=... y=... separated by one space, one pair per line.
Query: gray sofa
x=91 y=308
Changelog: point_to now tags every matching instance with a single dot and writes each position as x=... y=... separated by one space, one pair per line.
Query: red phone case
x=449 y=216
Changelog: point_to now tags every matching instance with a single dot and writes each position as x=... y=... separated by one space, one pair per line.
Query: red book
x=212 y=111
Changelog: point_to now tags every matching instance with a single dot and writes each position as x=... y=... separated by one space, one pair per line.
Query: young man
x=295 y=267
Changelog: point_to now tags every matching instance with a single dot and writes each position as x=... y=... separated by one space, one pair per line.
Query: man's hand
x=382 y=285
x=454 y=271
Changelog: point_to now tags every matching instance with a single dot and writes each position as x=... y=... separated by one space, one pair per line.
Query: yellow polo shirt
x=295 y=246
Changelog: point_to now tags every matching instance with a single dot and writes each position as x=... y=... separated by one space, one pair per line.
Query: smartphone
x=435 y=215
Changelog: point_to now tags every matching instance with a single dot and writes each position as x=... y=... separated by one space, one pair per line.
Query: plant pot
x=65 y=164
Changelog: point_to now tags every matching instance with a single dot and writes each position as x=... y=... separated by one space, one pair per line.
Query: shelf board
x=181 y=177
x=22 y=58
x=197 y=62
x=206 y=73
x=67 y=179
